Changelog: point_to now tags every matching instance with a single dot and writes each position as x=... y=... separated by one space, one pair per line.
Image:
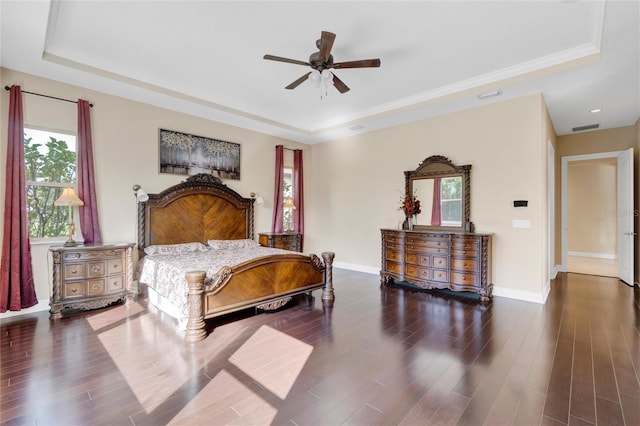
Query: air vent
x=587 y=127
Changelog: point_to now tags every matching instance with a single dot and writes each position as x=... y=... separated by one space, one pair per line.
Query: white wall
x=353 y=185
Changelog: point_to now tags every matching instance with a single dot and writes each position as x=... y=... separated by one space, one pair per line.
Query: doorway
x=591 y=219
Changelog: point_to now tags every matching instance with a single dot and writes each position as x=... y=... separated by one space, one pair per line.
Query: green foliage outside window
x=49 y=168
x=451 y=201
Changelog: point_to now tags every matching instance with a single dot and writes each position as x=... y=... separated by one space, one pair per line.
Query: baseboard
x=527 y=296
x=611 y=256
x=357 y=268
x=43 y=305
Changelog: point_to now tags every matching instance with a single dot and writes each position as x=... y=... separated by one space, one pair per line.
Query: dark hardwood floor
x=379 y=356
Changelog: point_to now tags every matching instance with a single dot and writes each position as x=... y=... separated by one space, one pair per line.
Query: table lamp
x=70 y=199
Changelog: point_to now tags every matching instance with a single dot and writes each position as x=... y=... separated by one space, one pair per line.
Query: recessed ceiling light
x=593 y=111
x=490 y=94
x=356 y=127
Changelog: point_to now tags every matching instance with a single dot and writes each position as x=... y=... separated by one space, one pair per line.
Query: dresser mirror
x=437 y=181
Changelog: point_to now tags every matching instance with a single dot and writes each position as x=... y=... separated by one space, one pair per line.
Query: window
x=287 y=190
x=451 y=201
x=50 y=166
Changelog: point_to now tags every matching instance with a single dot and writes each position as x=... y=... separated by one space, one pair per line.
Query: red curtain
x=278 y=197
x=436 y=214
x=298 y=195
x=17 y=289
x=86 y=182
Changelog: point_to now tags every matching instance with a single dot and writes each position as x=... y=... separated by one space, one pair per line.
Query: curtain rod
x=7 y=88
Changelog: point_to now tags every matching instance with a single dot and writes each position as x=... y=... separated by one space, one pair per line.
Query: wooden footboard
x=265 y=281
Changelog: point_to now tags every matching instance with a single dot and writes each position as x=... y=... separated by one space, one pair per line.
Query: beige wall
x=353 y=185
x=125 y=138
x=357 y=183
x=591 y=199
x=637 y=200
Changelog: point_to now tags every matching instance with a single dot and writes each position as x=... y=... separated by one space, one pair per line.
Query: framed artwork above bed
x=185 y=154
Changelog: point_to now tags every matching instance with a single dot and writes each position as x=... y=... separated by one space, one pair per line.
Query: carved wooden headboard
x=201 y=208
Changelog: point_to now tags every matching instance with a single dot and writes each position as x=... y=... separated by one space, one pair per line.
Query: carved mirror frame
x=438 y=166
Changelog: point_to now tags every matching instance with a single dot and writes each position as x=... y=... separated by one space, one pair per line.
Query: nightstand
x=90 y=276
x=284 y=240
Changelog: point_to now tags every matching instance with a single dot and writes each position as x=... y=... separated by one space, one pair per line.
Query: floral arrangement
x=410 y=206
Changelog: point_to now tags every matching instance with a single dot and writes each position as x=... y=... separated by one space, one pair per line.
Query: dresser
x=438 y=260
x=90 y=276
x=284 y=240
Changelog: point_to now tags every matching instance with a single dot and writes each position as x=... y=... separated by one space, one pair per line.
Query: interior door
x=625 y=215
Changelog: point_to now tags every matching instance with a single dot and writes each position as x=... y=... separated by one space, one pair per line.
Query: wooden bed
x=202 y=208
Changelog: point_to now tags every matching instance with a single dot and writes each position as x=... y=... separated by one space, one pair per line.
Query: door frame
x=563 y=184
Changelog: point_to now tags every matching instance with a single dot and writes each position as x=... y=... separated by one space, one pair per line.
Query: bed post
x=327 y=291
x=195 y=324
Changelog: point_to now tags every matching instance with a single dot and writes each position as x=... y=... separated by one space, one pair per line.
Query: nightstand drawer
x=95 y=287
x=114 y=267
x=284 y=241
x=74 y=270
x=96 y=269
x=115 y=284
x=74 y=289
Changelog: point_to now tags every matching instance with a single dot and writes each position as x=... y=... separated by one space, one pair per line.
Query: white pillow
x=175 y=248
x=231 y=244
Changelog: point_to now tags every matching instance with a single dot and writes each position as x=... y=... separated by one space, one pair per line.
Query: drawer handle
x=116 y=267
x=74 y=271
x=96 y=286
x=73 y=290
x=96 y=269
x=77 y=255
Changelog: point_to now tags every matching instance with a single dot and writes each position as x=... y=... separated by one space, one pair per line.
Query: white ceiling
x=205 y=58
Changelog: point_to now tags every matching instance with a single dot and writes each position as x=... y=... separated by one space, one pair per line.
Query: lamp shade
x=68 y=198
x=288 y=204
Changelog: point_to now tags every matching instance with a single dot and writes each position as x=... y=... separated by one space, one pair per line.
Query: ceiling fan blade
x=287 y=60
x=326 y=43
x=299 y=81
x=364 y=63
x=339 y=84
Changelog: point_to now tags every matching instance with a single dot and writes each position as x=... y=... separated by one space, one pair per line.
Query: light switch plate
x=521 y=223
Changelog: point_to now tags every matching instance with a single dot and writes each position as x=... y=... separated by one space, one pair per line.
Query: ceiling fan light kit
x=321 y=63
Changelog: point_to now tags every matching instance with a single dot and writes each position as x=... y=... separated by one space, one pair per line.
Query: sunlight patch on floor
x=273 y=359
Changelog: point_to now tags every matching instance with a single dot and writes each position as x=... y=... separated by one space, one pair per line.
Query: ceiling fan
x=322 y=62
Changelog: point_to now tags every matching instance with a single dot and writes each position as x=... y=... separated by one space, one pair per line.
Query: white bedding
x=164 y=274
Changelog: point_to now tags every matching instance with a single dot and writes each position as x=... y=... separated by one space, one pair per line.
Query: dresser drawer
x=436 y=250
x=417 y=259
x=464 y=265
x=464 y=252
x=95 y=287
x=393 y=255
x=441 y=275
x=415 y=271
x=394 y=267
x=464 y=278
x=441 y=262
